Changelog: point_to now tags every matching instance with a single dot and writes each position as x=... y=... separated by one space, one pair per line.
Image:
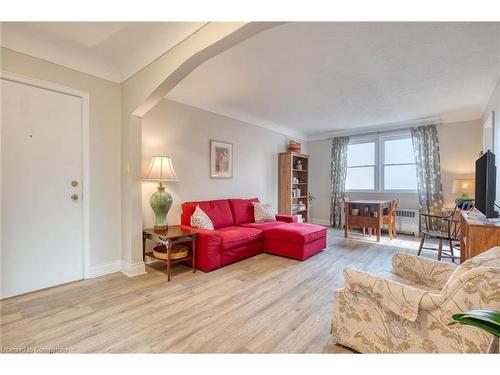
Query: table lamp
x=463 y=187
x=161 y=169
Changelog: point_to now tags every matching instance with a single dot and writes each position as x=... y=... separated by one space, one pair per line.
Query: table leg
x=346 y=218
x=169 y=247
x=143 y=247
x=379 y=226
x=193 y=244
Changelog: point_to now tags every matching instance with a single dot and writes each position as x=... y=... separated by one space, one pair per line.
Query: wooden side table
x=172 y=235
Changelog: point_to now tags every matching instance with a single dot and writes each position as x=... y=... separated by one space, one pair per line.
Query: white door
x=42 y=227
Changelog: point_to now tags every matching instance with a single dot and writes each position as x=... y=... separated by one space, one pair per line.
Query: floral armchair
x=408 y=310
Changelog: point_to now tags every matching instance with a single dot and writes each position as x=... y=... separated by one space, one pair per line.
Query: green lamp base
x=161 y=201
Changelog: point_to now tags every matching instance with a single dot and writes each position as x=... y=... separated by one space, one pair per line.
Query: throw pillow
x=263 y=212
x=200 y=220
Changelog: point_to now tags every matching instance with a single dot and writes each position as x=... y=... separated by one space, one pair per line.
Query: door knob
x=74 y=197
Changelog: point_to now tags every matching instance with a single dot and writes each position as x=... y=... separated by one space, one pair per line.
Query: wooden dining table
x=369 y=215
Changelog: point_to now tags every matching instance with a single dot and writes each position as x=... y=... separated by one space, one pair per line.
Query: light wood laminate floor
x=265 y=304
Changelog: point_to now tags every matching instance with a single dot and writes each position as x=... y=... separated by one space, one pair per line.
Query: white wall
x=494 y=105
x=459 y=143
x=183 y=133
x=105 y=151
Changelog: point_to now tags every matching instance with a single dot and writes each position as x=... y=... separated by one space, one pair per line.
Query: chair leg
x=451 y=252
x=364 y=229
x=421 y=245
x=440 y=249
x=389 y=229
x=394 y=234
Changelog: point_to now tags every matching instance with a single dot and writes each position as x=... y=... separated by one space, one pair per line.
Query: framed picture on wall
x=221 y=159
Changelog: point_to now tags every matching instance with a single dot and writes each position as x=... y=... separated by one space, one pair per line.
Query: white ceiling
x=313 y=79
x=111 y=50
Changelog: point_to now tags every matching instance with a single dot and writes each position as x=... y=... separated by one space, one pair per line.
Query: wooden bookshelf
x=288 y=202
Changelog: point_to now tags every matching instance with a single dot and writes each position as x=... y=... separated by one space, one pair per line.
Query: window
x=361 y=166
x=381 y=164
x=399 y=167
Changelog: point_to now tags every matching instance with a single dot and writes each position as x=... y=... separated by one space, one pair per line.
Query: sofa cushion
x=242 y=210
x=263 y=212
x=217 y=210
x=265 y=226
x=236 y=236
x=296 y=232
x=200 y=220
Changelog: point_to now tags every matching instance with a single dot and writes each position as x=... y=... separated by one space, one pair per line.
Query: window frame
x=379 y=182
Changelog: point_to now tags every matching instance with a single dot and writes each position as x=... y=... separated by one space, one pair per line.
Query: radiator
x=407 y=221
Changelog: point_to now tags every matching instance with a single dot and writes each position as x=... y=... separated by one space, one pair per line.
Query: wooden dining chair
x=390 y=219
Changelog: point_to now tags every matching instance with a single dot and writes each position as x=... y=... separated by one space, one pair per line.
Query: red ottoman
x=295 y=240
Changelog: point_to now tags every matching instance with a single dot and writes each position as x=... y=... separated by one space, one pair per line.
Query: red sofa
x=236 y=236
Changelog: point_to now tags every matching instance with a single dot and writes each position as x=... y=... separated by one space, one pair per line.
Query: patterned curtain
x=338 y=176
x=429 y=188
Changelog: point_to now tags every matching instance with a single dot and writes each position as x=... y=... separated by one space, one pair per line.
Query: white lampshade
x=161 y=169
x=463 y=186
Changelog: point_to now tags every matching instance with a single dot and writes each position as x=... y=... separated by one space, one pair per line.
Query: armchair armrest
x=403 y=300
x=480 y=283
x=286 y=218
x=421 y=270
x=478 y=287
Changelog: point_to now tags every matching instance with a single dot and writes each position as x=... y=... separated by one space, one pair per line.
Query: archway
x=142 y=92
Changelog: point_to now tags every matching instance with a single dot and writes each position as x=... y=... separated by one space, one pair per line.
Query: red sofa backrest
x=217 y=210
x=242 y=210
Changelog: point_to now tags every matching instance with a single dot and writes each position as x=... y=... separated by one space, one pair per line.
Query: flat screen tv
x=486 y=175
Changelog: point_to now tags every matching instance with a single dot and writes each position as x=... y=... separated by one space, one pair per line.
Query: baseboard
x=104 y=269
x=320 y=222
x=133 y=269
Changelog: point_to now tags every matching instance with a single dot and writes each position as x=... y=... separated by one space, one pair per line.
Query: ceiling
x=111 y=50
x=313 y=79
x=304 y=79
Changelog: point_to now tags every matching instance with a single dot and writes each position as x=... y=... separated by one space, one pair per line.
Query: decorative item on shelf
x=294 y=146
x=161 y=169
x=464 y=187
x=176 y=252
x=295 y=192
x=354 y=212
x=300 y=206
x=221 y=159
x=300 y=218
x=298 y=165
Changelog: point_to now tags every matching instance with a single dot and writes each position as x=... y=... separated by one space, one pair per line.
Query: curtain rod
x=388 y=128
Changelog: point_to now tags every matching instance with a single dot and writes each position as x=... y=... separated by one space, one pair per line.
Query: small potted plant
x=310 y=197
